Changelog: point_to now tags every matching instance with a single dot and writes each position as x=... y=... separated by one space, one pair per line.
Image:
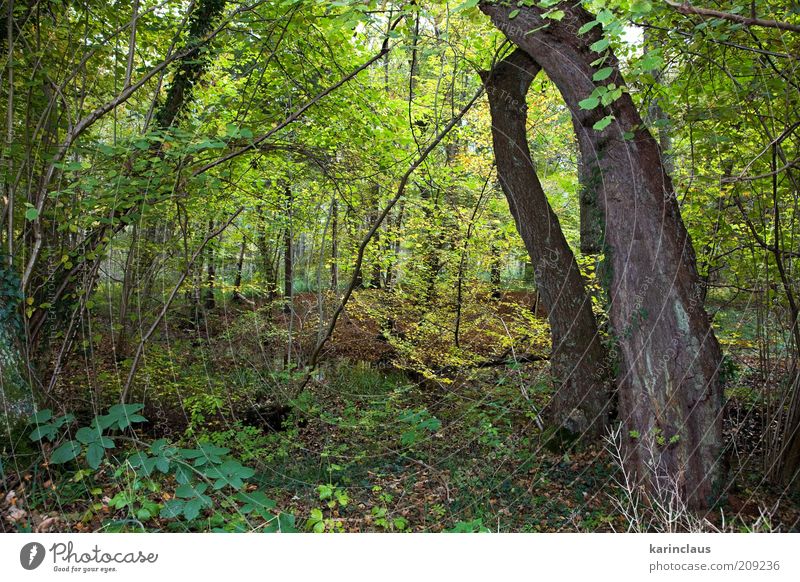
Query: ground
x=375 y=442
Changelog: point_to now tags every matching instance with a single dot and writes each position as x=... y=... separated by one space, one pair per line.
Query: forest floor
x=373 y=443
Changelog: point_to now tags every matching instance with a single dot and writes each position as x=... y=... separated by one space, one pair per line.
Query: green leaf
x=230 y=473
x=602 y=74
x=555 y=15
x=603 y=123
x=188 y=491
x=88 y=435
x=42 y=416
x=589 y=103
x=651 y=61
x=612 y=94
x=172 y=508
x=44 y=431
x=31 y=214
x=641 y=7
x=325 y=491
x=600 y=45
x=588 y=26
x=605 y=16
x=286 y=523
x=94 y=455
x=205 y=453
x=62 y=420
x=513 y=14
x=121 y=416
x=192 y=509
x=143 y=514
x=183 y=473
x=466 y=5
x=255 y=500
x=65 y=453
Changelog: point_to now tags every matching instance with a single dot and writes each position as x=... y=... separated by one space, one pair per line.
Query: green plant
x=418 y=423
x=474 y=526
x=209 y=480
x=381 y=515
x=335 y=498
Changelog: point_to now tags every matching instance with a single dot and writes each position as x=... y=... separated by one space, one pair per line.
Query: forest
x=400 y=266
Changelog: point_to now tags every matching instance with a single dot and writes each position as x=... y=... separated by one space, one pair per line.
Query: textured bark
x=237 y=283
x=288 y=266
x=334 y=245
x=578 y=362
x=670 y=395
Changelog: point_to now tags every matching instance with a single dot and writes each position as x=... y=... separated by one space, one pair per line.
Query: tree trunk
x=334 y=245
x=210 y=302
x=670 y=395
x=578 y=360
x=122 y=345
x=287 y=256
x=237 y=283
x=495 y=271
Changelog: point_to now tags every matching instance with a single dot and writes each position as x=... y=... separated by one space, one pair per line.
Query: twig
x=688 y=9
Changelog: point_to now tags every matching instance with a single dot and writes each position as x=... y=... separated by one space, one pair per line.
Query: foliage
x=195 y=473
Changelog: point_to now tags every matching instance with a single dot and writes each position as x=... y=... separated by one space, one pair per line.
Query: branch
x=688 y=9
x=500 y=362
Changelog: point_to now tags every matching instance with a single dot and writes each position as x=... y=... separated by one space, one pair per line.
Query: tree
x=578 y=361
x=669 y=390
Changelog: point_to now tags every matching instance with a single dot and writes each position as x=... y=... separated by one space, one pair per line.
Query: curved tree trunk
x=670 y=396
x=578 y=359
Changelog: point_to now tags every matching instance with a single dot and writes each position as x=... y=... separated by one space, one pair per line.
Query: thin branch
x=688 y=9
x=781 y=170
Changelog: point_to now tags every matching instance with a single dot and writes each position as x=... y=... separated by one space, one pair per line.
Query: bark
x=495 y=272
x=670 y=395
x=193 y=65
x=211 y=274
x=237 y=283
x=288 y=270
x=334 y=245
x=578 y=361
